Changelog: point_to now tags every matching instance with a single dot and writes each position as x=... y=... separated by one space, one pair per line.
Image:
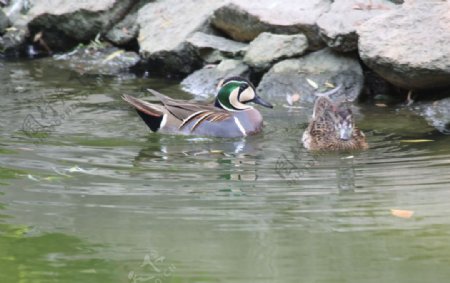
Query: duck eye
x=242 y=87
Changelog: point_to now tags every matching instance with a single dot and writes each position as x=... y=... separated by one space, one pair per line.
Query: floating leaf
x=31 y=177
x=416 y=141
x=312 y=83
x=402 y=213
x=348 y=157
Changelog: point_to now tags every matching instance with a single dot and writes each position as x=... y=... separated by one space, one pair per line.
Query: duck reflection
x=226 y=159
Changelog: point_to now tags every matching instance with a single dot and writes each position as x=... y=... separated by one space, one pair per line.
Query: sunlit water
x=88 y=194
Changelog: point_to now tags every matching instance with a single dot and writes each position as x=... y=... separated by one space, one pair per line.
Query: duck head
x=235 y=93
x=344 y=124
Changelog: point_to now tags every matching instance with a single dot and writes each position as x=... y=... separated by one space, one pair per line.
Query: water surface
x=88 y=194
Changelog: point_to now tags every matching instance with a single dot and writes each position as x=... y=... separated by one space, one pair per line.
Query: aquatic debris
x=328 y=84
x=402 y=213
x=348 y=157
x=113 y=55
x=292 y=98
x=416 y=141
x=79 y=170
x=32 y=178
x=312 y=83
x=74 y=169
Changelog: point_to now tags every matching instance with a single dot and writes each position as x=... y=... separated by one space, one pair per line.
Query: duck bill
x=260 y=101
x=345 y=134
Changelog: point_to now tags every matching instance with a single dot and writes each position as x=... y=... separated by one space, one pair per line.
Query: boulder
x=268 y=48
x=245 y=20
x=13 y=40
x=213 y=49
x=66 y=23
x=165 y=27
x=409 y=46
x=339 y=32
x=204 y=82
x=316 y=72
x=96 y=60
x=4 y=22
x=127 y=29
x=437 y=114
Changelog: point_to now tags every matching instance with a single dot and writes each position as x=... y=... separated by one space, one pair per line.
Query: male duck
x=228 y=117
x=332 y=129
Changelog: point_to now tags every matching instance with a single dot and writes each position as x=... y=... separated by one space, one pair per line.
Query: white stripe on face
x=235 y=101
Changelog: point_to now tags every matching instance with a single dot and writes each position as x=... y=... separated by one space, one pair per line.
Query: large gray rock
x=268 y=48
x=165 y=27
x=65 y=23
x=13 y=39
x=316 y=72
x=213 y=49
x=127 y=29
x=245 y=20
x=437 y=114
x=4 y=22
x=96 y=60
x=204 y=82
x=338 y=31
x=410 y=46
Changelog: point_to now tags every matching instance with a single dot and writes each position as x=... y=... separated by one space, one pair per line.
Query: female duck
x=332 y=129
x=230 y=116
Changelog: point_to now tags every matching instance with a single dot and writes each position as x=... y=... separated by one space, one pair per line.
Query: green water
x=89 y=195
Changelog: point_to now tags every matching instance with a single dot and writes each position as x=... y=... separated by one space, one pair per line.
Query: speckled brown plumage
x=328 y=121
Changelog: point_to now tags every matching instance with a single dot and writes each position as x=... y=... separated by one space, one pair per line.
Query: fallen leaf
x=295 y=97
x=330 y=85
x=31 y=177
x=37 y=37
x=11 y=29
x=312 y=83
x=416 y=141
x=113 y=55
x=402 y=213
x=348 y=157
x=289 y=99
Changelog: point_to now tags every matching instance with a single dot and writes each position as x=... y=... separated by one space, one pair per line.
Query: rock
x=319 y=71
x=245 y=20
x=66 y=23
x=268 y=48
x=97 y=60
x=13 y=40
x=165 y=27
x=4 y=22
x=409 y=46
x=212 y=48
x=437 y=114
x=340 y=32
x=127 y=29
x=204 y=82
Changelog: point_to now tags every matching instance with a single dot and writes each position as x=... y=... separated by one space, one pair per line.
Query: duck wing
x=187 y=111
